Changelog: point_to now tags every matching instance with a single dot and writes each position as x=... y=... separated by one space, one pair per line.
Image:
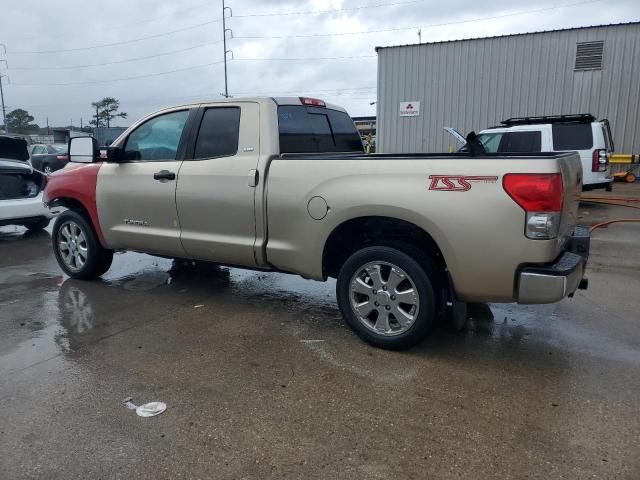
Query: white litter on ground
x=150 y=409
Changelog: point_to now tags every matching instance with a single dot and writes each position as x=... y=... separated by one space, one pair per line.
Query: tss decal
x=457 y=183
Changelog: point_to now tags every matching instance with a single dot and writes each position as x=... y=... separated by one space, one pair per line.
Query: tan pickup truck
x=282 y=184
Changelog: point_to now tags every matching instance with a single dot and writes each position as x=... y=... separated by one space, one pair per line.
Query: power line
x=204 y=97
x=125 y=42
x=66 y=67
x=114 y=79
x=173 y=14
x=332 y=10
x=365 y=32
x=299 y=59
x=297 y=92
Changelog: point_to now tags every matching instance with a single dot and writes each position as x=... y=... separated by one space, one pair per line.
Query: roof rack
x=575 y=117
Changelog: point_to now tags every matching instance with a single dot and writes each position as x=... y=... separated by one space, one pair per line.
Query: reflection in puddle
x=76 y=310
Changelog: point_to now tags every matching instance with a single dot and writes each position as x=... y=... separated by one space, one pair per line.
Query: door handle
x=164 y=175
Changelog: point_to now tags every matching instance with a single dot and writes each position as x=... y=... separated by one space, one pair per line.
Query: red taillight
x=600 y=160
x=312 y=102
x=535 y=192
x=63 y=157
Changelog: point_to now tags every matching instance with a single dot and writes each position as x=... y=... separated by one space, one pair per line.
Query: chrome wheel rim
x=72 y=245
x=384 y=298
x=48 y=170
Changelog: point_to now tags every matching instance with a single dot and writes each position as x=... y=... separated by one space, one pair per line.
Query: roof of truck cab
x=260 y=99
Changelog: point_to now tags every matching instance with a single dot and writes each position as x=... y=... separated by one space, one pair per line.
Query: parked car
x=559 y=133
x=49 y=158
x=20 y=187
x=283 y=184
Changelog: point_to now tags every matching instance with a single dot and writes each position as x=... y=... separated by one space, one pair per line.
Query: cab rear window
x=572 y=136
x=313 y=129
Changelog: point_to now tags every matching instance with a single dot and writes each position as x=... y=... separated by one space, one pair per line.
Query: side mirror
x=114 y=154
x=83 y=149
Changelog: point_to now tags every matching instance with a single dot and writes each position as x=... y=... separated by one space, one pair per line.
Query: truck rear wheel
x=386 y=297
x=77 y=248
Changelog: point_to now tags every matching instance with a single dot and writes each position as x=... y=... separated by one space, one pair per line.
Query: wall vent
x=589 y=56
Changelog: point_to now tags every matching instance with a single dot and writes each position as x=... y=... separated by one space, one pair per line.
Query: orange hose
x=617 y=220
x=623 y=199
x=616 y=203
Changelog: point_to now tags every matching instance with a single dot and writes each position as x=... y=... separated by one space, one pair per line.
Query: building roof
x=511 y=35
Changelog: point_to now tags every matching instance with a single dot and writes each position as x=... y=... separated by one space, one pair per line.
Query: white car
x=558 y=133
x=20 y=187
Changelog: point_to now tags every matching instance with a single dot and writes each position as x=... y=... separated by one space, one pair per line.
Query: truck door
x=216 y=187
x=136 y=197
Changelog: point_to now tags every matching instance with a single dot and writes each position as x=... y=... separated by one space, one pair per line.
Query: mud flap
x=458 y=308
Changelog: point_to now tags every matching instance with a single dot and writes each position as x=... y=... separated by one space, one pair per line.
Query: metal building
x=474 y=84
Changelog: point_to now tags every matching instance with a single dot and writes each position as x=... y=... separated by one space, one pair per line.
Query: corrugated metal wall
x=474 y=84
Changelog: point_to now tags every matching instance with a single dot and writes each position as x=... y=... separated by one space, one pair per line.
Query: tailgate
x=571 y=169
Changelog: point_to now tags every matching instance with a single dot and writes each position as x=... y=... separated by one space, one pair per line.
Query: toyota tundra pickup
x=283 y=184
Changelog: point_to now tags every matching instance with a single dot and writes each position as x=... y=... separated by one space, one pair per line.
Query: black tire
x=37 y=224
x=98 y=259
x=417 y=268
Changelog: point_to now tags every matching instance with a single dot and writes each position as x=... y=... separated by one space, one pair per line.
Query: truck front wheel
x=77 y=248
x=386 y=297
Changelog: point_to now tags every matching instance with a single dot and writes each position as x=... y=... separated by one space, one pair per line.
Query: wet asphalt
x=263 y=380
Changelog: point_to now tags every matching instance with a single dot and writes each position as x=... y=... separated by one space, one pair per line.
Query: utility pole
x=97 y=118
x=420 y=35
x=80 y=123
x=4 y=113
x=48 y=132
x=224 y=45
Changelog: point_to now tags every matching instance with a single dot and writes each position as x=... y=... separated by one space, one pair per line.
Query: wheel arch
x=76 y=205
x=363 y=231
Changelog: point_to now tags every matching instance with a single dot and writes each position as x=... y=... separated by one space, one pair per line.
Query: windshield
x=59 y=148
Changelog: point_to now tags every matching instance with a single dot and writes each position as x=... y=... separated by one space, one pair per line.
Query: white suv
x=559 y=133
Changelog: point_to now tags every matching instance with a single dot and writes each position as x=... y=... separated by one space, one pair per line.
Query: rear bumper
x=598 y=185
x=551 y=283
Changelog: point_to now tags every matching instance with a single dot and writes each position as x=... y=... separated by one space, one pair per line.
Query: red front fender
x=76 y=183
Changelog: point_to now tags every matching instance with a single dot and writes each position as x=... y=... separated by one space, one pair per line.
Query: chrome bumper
x=551 y=283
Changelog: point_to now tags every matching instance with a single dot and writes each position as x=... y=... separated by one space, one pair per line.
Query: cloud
x=31 y=25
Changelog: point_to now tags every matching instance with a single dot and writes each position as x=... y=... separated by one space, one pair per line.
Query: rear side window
x=512 y=142
x=219 y=132
x=312 y=129
x=607 y=142
x=521 y=142
x=572 y=136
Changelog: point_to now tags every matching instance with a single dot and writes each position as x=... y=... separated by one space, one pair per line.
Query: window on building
x=589 y=56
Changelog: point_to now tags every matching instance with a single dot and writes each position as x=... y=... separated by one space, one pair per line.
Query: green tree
x=106 y=110
x=19 y=121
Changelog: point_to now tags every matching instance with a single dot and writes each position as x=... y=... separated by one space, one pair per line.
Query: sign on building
x=409 y=109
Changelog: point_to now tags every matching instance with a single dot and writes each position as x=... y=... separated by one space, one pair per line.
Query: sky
x=61 y=56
